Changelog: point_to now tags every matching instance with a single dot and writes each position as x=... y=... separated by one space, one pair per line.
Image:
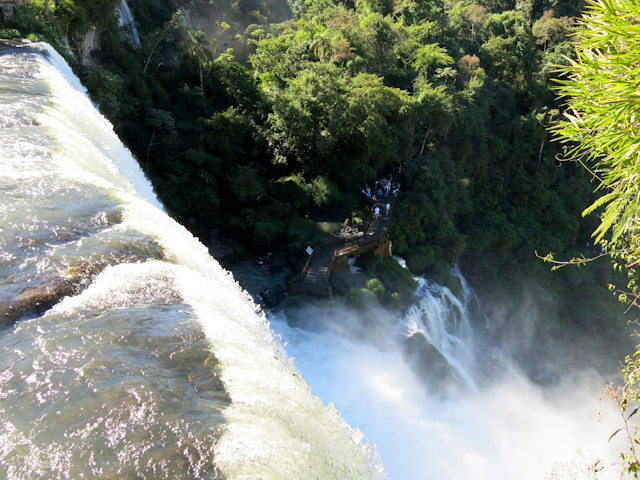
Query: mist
x=203 y=15
x=497 y=424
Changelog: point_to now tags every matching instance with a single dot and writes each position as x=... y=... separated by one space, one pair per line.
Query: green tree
x=327 y=123
x=550 y=31
x=199 y=49
x=476 y=15
x=430 y=57
x=162 y=35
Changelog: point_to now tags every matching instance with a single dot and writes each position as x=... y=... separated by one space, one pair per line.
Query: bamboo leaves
x=603 y=104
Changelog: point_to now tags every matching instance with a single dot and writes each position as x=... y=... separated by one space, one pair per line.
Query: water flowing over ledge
x=155 y=363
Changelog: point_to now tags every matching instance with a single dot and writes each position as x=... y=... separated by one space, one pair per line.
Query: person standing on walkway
x=376 y=212
x=388 y=208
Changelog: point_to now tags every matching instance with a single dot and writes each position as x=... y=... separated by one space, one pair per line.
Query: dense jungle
x=259 y=118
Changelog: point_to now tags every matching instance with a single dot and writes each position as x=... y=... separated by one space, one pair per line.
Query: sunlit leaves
x=602 y=119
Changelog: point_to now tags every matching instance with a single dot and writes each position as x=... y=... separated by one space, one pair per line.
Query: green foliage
x=330 y=124
x=420 y=258
x=31 y=22
x=361 y=297
x=106 y=88
x=9 y=33
x=550 y=31
x=430 y=57
x=601 y=116
x=376 y=287
x=394 y=278
x=302 y=233
x=268 y=231
x=627 y=399
x=244 y=182
x=323 y=190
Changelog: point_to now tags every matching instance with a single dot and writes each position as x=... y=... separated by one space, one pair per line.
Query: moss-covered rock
x=429 y=364
x=394 y=277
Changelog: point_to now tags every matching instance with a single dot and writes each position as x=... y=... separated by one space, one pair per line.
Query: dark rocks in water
x=271 y=298
x=429 y=364
x=278 y=263
x=37 y=299
x=223 y=253
x=265 y=259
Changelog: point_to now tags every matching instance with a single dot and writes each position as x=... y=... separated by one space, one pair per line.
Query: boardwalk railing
x=316 y=251
x=318 y=284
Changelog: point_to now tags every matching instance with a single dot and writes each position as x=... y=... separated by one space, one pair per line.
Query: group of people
x=376 y=210
x=382 y=189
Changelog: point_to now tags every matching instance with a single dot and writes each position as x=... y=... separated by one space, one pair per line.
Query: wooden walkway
x=314 y=278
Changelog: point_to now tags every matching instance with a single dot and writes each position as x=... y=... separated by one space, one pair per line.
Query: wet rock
x=429 y=364
x=223 y=253
x=88 y=44
x=278 y=263
x=271 y=298
x=265 y=259
x=37 y=299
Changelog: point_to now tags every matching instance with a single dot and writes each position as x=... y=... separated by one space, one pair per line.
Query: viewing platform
x=314 y=278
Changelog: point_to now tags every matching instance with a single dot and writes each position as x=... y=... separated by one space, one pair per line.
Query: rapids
x=135 y=355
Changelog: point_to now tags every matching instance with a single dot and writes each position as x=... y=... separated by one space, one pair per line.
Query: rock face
x=7 y=7
x=91 y=41
x=429 y=364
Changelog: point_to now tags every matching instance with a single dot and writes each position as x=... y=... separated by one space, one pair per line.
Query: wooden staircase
x=314 y=278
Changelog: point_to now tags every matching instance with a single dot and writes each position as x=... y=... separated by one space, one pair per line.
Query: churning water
x=495 y=425
x=135 y=354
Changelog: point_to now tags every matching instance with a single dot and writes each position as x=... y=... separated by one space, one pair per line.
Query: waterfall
x=127 y=351
x=492 y=423
x=125 y=20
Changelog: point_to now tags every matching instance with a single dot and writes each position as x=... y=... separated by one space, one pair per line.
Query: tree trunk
x=152 y=50
x=424 y=142
x=46 y=8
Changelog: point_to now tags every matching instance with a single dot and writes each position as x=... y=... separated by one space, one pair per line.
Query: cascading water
x=494 y=426
x=126 y=21
x=134 y=355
